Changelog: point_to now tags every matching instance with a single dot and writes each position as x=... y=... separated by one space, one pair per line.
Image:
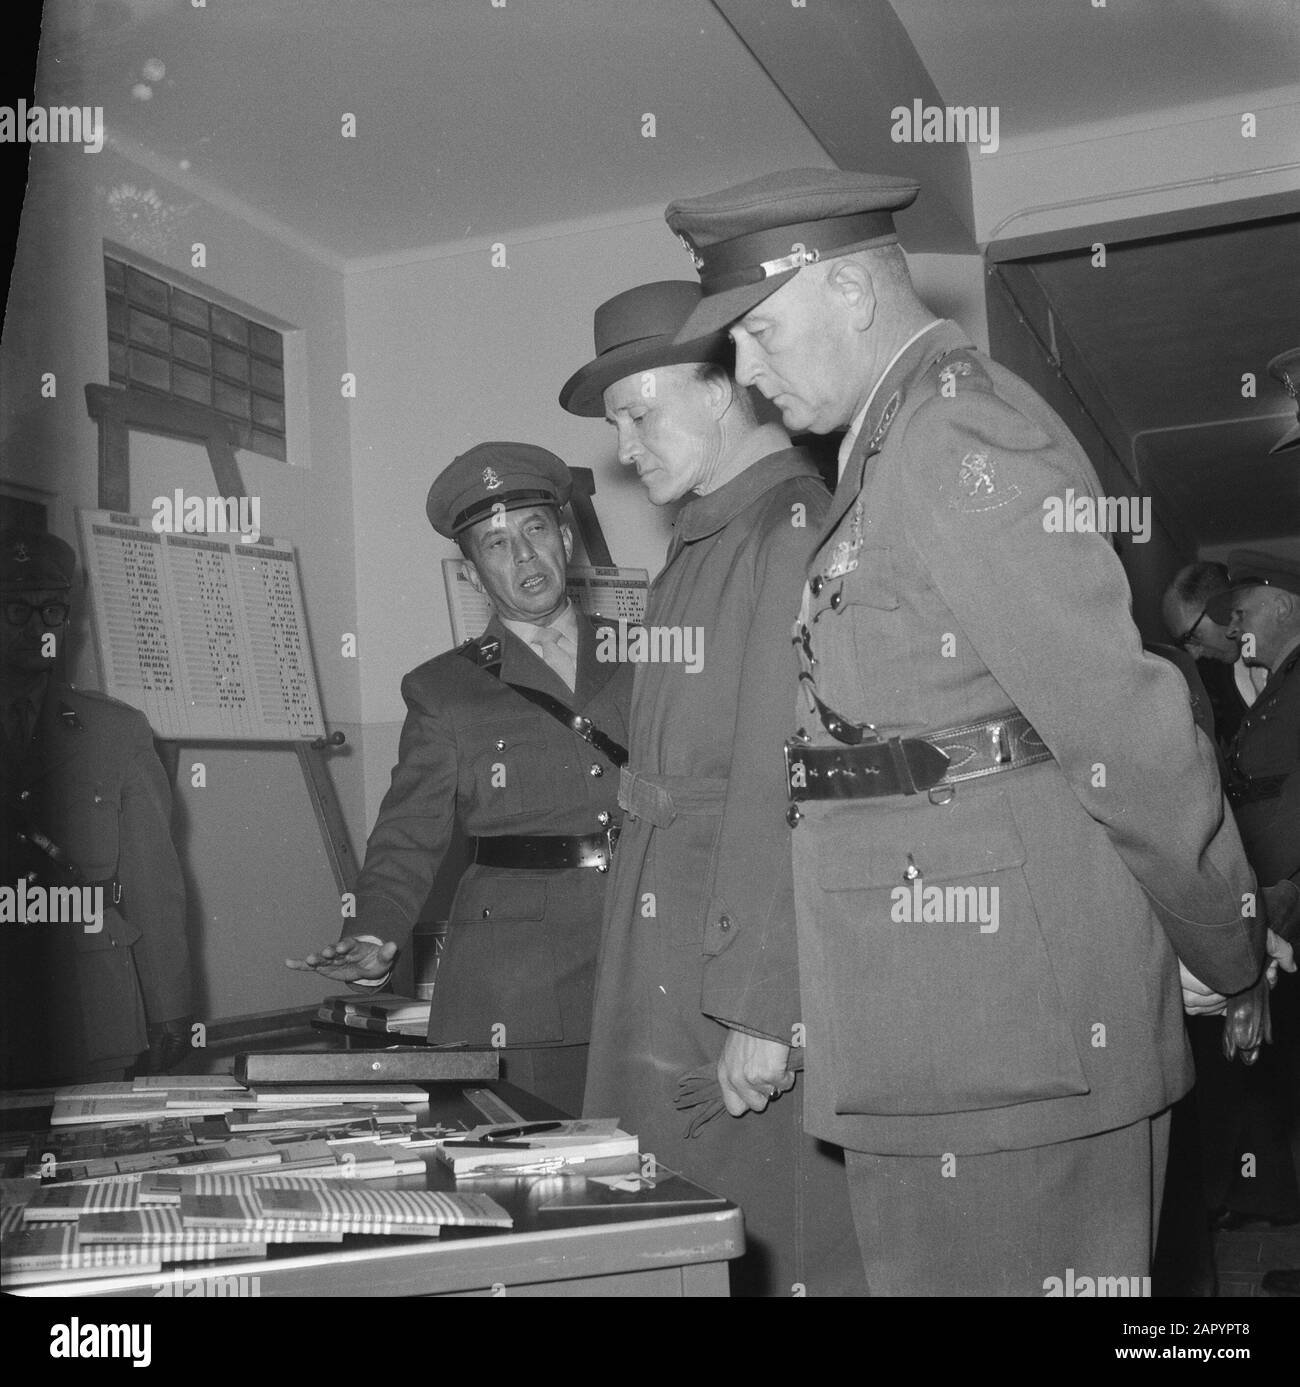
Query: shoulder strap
x=485 y=652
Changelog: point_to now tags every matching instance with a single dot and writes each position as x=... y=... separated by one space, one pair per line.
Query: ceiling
x=1167 y=330
x=471 y=120
x=479 y=120
x=1054 y=63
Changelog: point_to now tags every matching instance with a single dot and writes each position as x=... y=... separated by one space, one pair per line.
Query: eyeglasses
x=19 y=613
x=1187 y=635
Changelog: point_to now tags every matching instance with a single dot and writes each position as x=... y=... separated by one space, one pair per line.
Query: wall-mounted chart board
x=203 y=633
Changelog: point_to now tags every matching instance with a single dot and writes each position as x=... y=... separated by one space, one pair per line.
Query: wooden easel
x=116 y=411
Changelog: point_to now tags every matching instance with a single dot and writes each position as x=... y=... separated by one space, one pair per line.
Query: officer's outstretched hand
x=752 y=1071
x=348 y=960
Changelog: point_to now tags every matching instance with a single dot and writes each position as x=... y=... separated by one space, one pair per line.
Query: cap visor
x=1220 y=607
x=719 y=310
x=584 y=391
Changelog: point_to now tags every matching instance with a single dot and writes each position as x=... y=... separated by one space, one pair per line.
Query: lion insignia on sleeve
x=978 y=488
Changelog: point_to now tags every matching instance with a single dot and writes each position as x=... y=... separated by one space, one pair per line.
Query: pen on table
x=486 y=1145
x=525 y=1129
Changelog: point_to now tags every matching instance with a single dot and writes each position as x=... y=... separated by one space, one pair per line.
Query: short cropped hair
x=1198 y=582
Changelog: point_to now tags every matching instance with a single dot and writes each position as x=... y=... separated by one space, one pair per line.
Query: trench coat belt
x=660 y=798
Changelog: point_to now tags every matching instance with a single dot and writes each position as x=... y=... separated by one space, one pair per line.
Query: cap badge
x=490 y=479
x=22 y=554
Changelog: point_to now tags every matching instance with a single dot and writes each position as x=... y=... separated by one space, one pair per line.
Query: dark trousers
x=1012 y=1223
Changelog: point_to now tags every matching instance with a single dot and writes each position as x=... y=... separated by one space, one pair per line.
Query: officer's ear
x=853 y=290
x=471 y=572
x=566 y=535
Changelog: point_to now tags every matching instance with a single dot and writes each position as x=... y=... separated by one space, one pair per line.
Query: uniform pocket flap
x=942 y=842
x=871 y=582
x=506 y=897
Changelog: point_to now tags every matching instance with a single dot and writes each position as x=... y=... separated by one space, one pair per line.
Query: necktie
x=554 y=648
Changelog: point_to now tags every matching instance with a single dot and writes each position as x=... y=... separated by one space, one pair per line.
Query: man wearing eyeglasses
x=1206 y=640
x=1261 y=610
x=94 y=963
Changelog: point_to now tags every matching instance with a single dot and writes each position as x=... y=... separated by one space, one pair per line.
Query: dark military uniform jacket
x=521 y=944
x=1264 y=776
x=90 y=781
x=942 y=599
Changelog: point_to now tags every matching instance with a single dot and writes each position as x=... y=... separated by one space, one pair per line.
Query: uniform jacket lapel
x=941 y=338
x=593 y=674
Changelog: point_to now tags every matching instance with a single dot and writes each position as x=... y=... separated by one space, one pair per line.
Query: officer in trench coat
x=697 y=976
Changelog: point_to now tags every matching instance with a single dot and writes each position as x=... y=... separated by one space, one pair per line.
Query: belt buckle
x=582 y=726
x=596 y=854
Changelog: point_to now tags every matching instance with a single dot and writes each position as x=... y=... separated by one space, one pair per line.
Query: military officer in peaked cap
x=519 y=736
x=86 y=806
x=1006 y=829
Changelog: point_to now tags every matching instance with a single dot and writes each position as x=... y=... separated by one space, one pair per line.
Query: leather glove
x=1246 y=1023
x=699 y=1089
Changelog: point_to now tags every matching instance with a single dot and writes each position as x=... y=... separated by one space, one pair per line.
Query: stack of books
x=384 y=1013
x=69 y=1233
x=535 y=1147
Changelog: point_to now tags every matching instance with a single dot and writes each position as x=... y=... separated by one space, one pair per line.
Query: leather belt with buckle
x=547 y=852
x=909 y=765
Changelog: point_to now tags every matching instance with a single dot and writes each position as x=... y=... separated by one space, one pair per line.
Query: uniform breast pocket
x=510 y=775
x=942 y=996
x=873 y=583
x=83 y=820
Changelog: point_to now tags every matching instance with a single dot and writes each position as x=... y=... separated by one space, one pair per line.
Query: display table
x=634 y=1249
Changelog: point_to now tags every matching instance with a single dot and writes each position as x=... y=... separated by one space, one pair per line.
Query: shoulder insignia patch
x=482 y=650
x=958 y=367
x=977 y=487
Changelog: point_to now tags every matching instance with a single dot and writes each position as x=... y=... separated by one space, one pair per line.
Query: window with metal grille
x=174 y=342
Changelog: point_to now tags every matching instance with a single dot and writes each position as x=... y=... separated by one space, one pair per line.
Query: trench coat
x=76 y=1003
x=939 y=597
x=699 y=927
x=518 y=963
